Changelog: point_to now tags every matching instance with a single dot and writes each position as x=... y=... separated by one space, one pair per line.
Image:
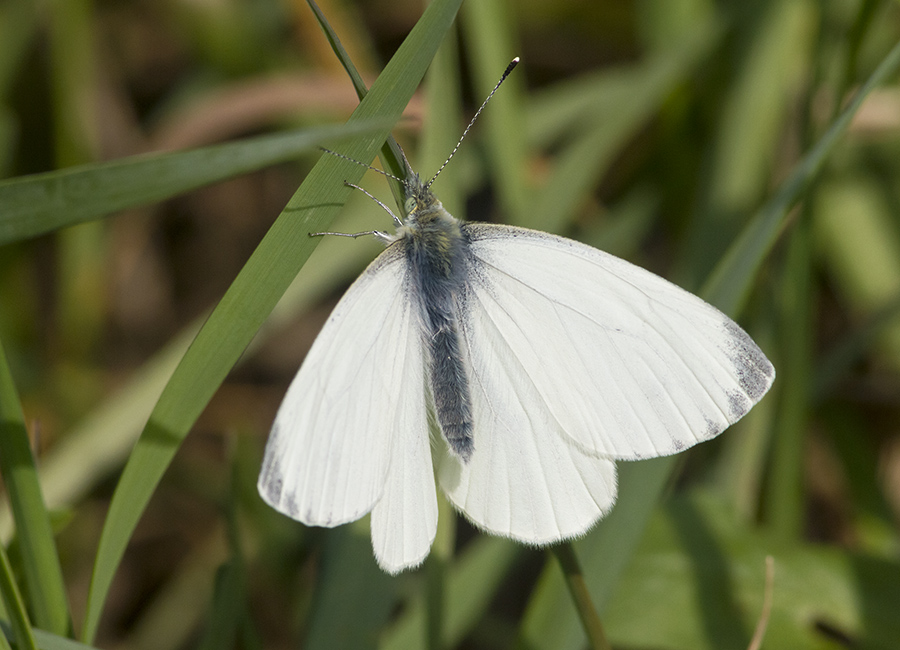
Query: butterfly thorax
x=437 y=259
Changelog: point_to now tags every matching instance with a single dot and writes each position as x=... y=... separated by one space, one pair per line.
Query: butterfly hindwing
x=404 y=521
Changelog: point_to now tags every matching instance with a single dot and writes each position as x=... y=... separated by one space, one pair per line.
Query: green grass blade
x=729 y=284
x=40 y=561
x=769 y=67
x=229 y=601
x=490 y=45
x=252 y=295
x=226 y=610
x=581 y=596
x=391 y=156
x=15 y=606
x=34 y=205
x=44 y=640
x=609 y=111
x=786 y=493
x=358 y=84
x=442 y=130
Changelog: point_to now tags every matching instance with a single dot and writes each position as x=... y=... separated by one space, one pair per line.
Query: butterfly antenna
x=354 y=160
x=509 y=68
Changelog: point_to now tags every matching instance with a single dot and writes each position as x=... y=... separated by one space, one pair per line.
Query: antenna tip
x=509 y=68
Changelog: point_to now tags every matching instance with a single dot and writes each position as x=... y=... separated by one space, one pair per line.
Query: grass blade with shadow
x=42 y=203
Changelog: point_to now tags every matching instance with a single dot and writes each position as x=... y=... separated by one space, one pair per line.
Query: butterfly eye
x=410 y=205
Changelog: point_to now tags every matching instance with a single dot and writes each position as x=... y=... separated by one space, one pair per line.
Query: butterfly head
x=420 y=200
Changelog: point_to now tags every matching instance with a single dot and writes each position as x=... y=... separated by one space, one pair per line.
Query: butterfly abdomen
x=436 y=255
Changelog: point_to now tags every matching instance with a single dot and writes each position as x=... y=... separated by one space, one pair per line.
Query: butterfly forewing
x=626 y=363
x=328 y=454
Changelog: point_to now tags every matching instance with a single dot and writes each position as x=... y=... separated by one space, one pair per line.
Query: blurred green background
x=715 y=143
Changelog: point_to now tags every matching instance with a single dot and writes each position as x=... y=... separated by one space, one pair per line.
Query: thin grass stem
x=577 y=586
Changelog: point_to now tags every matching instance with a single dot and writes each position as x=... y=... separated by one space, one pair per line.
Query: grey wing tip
x=271 y=480
x=270 y=484
x=755 y=373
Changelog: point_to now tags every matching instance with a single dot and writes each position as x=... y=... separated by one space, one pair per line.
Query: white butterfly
x=541 y=360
